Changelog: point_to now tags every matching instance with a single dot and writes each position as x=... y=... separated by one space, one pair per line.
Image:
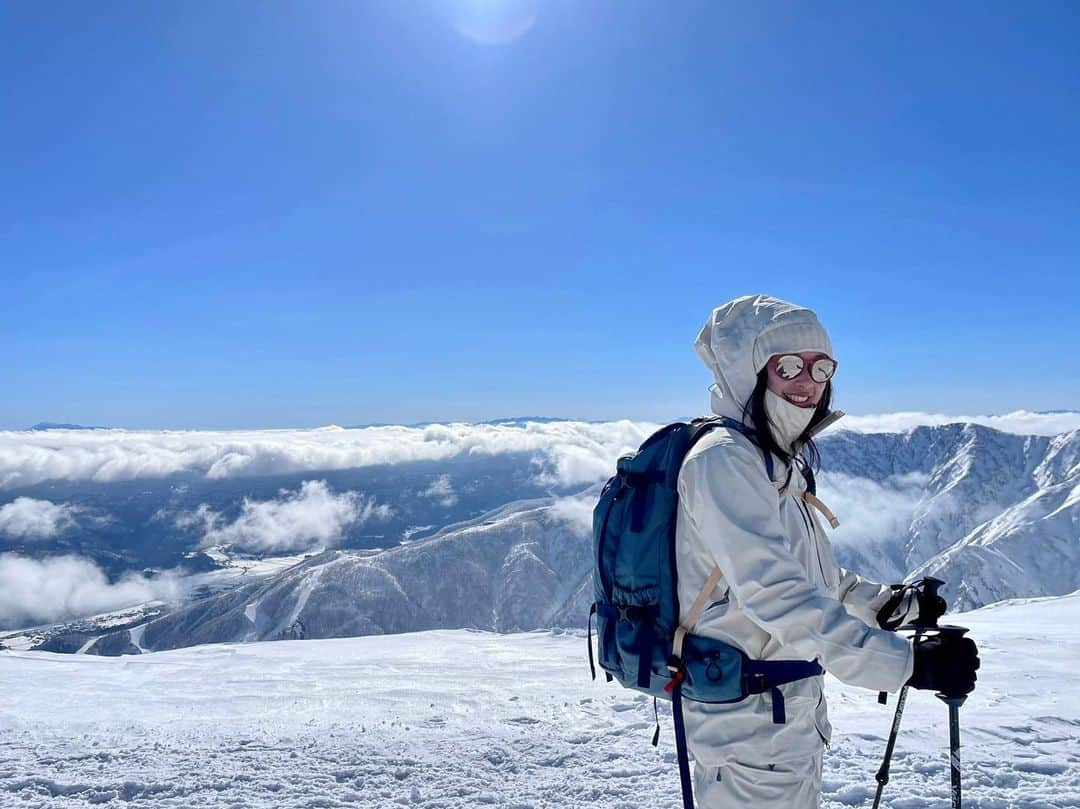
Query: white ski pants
x=791 y=785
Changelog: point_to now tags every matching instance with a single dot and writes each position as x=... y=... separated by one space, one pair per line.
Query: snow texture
x=463 y=718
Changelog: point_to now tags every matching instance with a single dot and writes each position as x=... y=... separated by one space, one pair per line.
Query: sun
x=493 y=22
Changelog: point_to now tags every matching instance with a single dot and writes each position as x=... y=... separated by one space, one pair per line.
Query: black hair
x=755 y=408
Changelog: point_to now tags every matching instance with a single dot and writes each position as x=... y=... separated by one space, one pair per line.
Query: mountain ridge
x=992 y=513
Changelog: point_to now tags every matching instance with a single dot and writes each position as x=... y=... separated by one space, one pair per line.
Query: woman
x=781 y=595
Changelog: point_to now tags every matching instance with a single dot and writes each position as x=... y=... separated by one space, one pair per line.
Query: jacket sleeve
x=733 y=508
x=862 y=597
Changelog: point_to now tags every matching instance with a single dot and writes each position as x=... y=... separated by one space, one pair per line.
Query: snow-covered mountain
x=1030 y=548
x=994 y=514
x=521 y=567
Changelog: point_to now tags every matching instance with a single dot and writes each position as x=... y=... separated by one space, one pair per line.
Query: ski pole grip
x=931 y=586
x=931 y=605
x=955 y=631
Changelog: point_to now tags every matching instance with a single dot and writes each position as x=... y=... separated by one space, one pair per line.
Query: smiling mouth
x=798 y=401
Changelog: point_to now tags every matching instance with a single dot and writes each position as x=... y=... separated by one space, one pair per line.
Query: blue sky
x=249 y=214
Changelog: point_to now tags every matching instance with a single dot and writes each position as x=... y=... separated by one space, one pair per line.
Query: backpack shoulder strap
x=699 y=427
x=739 y=427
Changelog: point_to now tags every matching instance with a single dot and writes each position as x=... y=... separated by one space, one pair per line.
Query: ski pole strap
x=680 y=748
x=901 y=593
x=760 y=676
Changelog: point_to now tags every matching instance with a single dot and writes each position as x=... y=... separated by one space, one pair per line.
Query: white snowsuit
x=782 y=595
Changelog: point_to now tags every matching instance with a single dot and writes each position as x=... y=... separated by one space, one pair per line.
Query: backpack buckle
x=756 y=683
x=629 y=612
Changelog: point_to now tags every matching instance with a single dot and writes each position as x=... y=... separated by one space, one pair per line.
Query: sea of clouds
x=571 y=452
x=568 y=452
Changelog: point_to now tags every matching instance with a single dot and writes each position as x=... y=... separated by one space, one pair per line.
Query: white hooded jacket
x=782 y=595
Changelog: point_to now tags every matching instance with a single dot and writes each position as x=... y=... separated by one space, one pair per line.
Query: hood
x=740 y=336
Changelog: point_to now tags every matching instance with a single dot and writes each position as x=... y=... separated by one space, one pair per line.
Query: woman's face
x=802 y=390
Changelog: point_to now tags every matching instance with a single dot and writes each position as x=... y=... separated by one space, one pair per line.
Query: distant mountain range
x=511 y=420
x=516 y=420
x=995 y=515
x=53 y=425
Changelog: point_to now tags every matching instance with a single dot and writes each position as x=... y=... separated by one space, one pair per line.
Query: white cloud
x=576 y=511
x=1021 y=422
x=27 y=518
x=569 y=452
x=312 y=516
x=442 y=489
x=566 y=453
x=871 y=511
x=202 y=517
x=39 y=591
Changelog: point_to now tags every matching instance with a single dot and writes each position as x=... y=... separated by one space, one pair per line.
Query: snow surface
x=459 y=718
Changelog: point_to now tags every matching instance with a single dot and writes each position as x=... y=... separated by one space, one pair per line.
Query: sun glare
x=493 y=22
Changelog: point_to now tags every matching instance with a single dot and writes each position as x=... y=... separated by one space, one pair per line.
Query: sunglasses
x=789 y=366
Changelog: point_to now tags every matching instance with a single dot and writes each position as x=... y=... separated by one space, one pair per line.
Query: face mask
x=786 y=420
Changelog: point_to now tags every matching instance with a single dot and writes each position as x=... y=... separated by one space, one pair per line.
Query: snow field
x=473 y=719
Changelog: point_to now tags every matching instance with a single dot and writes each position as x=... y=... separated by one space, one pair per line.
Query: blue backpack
x=636 y=595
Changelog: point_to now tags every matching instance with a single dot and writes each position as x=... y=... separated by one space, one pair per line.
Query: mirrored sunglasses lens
x=822 y=370
x=789 y=366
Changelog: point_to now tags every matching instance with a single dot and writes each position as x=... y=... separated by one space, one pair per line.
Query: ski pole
x=930 y=586
x=954 y=704
x=883 y=773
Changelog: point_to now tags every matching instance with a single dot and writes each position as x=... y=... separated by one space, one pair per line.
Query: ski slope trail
x=461 y=718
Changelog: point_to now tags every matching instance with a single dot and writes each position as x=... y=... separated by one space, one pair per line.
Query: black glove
x=931 y=607
x=945 y=663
